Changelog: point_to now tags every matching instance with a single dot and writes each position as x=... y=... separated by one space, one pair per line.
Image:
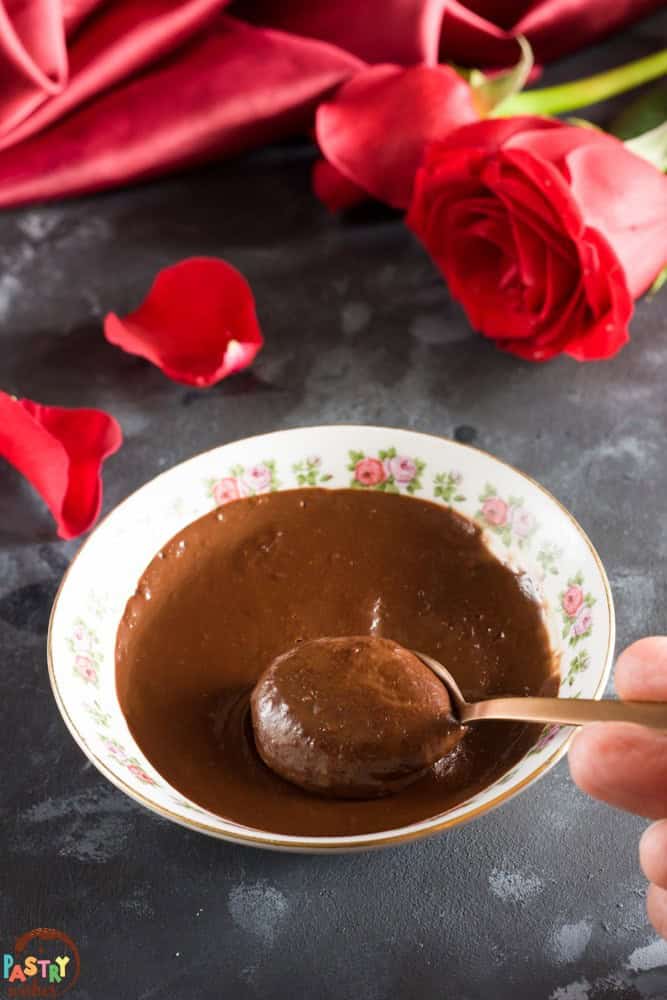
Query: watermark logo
x=44 y=963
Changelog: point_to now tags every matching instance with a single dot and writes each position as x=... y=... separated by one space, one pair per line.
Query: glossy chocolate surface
x=244 y=584
x=356 y=717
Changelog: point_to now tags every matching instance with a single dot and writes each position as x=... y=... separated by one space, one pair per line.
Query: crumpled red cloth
x=96 y=93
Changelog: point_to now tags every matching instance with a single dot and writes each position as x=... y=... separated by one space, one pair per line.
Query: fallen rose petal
x=197 y=323
x=376 y=127
x=60 y=452
x=334 y=189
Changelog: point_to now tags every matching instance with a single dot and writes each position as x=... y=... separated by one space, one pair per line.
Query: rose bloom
x=258 y=478
x=369 y=472
x=495 y=511
x=226 y=490
x=402 y=468
x=573 y=598
x=545 y=232
x=523 y=522
x=583 y=621
x=137 y=770
x=85 y=667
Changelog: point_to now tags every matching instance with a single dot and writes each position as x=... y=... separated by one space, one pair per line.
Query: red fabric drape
x=95 y=94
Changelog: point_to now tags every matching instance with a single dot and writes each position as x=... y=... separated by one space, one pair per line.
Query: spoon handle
x=568 y=711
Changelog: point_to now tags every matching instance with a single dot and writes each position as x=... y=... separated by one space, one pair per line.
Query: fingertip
x=624 y=765
x=584 y=758
x=641 y=670
x=653 y=853
x=656 y=906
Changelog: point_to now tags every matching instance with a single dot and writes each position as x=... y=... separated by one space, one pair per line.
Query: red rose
x=544 y=231
x=369 y=472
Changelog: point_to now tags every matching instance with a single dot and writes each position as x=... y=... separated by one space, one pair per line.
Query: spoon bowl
x=352 y=717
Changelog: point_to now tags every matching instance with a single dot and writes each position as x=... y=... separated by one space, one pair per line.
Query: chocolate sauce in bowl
x=243 y=585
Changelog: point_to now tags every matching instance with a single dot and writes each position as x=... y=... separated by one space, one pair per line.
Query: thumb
x=622 y=764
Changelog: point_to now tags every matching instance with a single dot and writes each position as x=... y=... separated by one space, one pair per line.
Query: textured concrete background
x=541 y=899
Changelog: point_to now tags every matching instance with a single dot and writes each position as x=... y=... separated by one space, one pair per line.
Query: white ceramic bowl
x=523 y=524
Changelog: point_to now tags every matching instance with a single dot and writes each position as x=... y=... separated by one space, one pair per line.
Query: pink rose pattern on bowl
x=244 y=482
x=509 y=519
x=576 y=611
x=388 y=471
x=116 y=750
x=226 y=490
x=572 y=600
x=87 y=660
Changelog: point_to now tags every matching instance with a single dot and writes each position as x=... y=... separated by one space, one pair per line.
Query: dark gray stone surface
x=542 y=898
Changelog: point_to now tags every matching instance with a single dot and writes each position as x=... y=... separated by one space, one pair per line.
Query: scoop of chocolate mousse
x=353 y=717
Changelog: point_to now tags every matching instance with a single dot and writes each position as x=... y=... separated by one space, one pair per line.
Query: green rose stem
x=589 y=90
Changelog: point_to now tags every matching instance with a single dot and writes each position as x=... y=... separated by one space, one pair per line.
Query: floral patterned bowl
x=523 y=524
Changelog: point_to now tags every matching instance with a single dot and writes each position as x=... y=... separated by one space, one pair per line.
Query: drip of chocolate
x=250 y=581
x=357 y=717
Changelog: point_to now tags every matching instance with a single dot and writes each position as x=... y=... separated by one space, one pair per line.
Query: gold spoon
x=566 y=711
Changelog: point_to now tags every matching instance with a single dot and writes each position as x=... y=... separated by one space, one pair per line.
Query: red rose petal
x=376 y=127
x=625 y=199
x=535 y=186
x=560 y=276
x=612 y=303
x=60 y=451
x=621 y=195
x=554 y=144
x=334 y=189
x=532 y=259
x=554 y=335
x=197 y=323
x=490 y=135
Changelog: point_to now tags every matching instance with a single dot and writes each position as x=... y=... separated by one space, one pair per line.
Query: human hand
x=626 y=765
